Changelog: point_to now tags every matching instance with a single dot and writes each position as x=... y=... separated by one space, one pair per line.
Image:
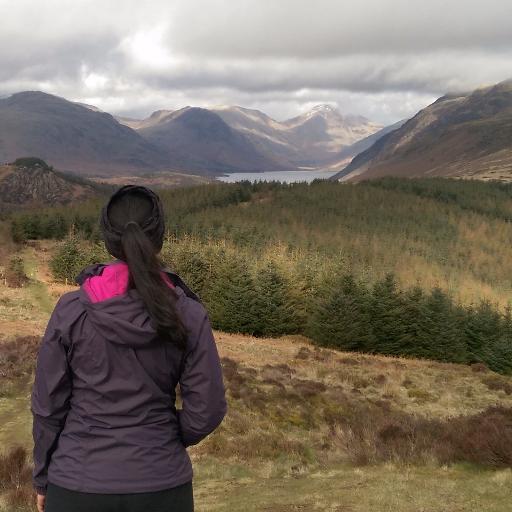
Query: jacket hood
x=115 y=312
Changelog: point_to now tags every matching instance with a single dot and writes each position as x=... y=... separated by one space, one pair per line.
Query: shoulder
x=194 y=311
x=65 y=316
x=68 y=300
x=68 y=309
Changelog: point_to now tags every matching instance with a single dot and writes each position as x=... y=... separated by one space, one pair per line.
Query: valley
x=293 y=450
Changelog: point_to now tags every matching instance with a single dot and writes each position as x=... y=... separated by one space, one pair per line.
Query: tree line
x=282 y=293
x=455 y=234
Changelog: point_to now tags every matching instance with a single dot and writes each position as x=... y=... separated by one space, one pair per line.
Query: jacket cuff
x=40 y=490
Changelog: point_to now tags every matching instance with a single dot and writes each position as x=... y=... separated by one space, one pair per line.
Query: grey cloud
x=301 y=28
x=381 y=59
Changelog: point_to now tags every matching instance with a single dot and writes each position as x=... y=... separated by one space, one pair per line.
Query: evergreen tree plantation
x=419 y=268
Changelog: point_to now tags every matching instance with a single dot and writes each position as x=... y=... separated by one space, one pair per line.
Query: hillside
x=346 y=155
x=323 y=132
x=83 y=139
x=29 y=184
x=72 y=137
x=432 y=232
x=199 y=140
x=337 y=431
x=463 y=136
x=311 y=139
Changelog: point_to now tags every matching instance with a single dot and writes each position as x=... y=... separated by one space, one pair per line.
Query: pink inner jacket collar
x=112 y=282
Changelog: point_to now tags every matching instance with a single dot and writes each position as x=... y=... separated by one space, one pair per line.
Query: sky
x=383 y=59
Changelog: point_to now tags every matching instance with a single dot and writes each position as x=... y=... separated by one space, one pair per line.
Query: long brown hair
x=132 y=226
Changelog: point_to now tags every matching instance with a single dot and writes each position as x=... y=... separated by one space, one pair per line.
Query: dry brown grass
x=309 y=404
x=297 y=410
x=16 y=480
x=423 y=387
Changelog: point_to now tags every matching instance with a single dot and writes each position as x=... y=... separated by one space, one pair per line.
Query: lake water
x=283 y=176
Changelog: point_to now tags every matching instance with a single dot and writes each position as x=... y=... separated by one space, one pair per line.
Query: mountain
x=199 y=140
x=266 y=134
x=81 y=138
x=347 y=154
x=72 y=137
x=30 y=181
x=313 y=139
x=136 y=124
x=459 y=135
x=322 y=132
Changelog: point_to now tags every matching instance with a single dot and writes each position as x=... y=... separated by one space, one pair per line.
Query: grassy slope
x=463 y=248
x=260 y=458
x=455 y=234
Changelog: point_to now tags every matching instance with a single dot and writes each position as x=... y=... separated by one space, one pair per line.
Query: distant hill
x=31 y=182
x=312 y=139
x=72 y=137
x=266 y=134
x=347 y=154
x=323 y=132
x=199 y=140
x=152 y=120
x=309 y=140
x=83 y=139
x=463 y=135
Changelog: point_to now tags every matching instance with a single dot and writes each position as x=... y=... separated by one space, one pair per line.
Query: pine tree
x=413 y=319
x=188 y=260
x=274 y=307
x=501 y=348
x=481 y=330
x=68 y=260
x=32 y=227
x=302 y=292
x=442 y=338
x=73 y=255
x=232 y=298
x=386 y=315
x=341 y=318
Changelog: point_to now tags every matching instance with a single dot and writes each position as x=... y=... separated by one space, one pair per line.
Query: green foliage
x=36 y=226
x=31 y=162
x=274 y=307
x=487 y=198
x=233 y=298
x=356 y=267
x=441 y=337
x=425 y=231
x=341 y=316
x=387 y=307
x=482 y=330
x=73 y=255
x=414 y=319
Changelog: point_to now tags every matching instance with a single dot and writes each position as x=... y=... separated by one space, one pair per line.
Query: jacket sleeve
x=50 y=396
x=202 y=388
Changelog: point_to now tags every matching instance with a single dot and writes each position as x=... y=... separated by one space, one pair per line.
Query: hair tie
x=130 y=222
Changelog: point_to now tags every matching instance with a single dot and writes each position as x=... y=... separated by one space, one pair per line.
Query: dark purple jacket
x=103 y=399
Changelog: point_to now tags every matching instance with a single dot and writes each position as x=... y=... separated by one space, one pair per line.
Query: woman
x=107 y=434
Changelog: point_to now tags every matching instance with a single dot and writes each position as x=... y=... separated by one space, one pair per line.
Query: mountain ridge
x=458 y=135
x=81 y=138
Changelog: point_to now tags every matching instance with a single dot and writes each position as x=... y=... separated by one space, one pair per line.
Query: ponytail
x=138 y=242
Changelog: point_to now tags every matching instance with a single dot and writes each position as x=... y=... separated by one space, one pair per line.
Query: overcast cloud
x=384 y=59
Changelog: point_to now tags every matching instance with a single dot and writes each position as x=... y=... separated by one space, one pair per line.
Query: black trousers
x=176 y=499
